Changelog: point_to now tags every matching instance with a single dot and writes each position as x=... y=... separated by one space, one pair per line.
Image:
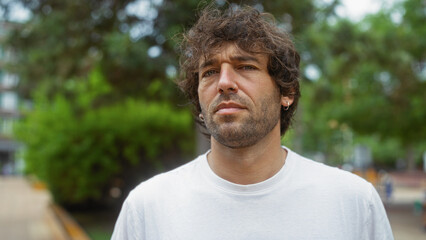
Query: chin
x=233 y=136
x=236 y=143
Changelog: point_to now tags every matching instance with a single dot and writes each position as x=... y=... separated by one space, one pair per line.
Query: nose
x=227 y=80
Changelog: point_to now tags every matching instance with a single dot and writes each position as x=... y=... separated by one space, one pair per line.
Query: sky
x=357 y=9
x=18 y=14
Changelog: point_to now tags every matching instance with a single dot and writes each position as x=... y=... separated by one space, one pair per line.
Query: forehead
x=230 y=51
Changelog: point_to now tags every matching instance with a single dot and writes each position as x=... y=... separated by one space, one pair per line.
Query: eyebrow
x=239 y=58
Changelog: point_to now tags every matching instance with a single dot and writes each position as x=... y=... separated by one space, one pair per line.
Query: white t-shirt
x=304 y=200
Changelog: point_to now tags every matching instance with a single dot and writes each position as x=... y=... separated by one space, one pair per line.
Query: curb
x=73 y=230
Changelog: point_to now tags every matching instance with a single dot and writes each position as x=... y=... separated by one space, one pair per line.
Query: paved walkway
x=406 y=223
x=406 y=220
x=25 y=212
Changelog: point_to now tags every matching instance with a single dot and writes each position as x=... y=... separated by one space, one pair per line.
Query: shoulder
x=166 y=183
x=331 y=179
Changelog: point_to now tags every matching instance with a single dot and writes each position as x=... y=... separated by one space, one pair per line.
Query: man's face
x=240 y=102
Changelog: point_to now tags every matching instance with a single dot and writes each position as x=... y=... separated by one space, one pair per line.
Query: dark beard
x=248 y=132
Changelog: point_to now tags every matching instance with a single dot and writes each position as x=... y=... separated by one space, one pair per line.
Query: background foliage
x=372 y=81
x=105 y=106
x=81 y=151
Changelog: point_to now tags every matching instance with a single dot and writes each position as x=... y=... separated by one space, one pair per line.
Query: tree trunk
x=410 y=158
x=298 y=130
x=203 y=143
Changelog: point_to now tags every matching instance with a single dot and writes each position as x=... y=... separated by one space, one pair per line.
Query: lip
x=228 y=108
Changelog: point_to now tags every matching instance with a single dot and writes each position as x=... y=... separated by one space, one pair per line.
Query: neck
x=251 y=164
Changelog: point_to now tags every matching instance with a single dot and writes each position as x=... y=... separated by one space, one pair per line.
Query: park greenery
x=100 y=74
x=82 y=151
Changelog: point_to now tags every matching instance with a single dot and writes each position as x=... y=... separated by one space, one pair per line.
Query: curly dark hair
x=252 y=32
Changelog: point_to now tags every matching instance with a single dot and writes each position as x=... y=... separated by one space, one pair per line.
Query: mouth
x=226 y=108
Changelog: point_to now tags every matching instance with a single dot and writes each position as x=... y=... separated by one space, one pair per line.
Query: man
x=241 y=73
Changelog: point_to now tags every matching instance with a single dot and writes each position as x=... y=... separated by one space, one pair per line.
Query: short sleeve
x=378 y=223
x=129 y=225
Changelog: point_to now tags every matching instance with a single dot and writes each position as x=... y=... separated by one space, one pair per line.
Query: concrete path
x=406 y=219
x=25 y=212
x=405 y=222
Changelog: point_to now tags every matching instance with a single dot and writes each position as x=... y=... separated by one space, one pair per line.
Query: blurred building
x=9 y=103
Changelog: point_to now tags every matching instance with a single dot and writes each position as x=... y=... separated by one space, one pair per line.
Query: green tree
x=134 y=46
x=373 y=75
x=81 y=152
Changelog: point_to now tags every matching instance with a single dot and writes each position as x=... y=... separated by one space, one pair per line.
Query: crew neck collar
x=248 y=189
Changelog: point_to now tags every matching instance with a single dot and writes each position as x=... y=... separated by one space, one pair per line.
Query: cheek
x=264 y=93
x=205 y=94
x=202 y=99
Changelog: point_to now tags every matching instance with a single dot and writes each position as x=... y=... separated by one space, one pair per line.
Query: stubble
x=234 y=132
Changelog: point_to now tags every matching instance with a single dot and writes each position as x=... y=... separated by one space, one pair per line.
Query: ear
x=286 y=101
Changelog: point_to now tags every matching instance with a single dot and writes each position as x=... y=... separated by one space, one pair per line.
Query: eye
x=247 y=67
x=208 y=73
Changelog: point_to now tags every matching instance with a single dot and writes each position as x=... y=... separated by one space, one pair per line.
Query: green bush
x=77 y=149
